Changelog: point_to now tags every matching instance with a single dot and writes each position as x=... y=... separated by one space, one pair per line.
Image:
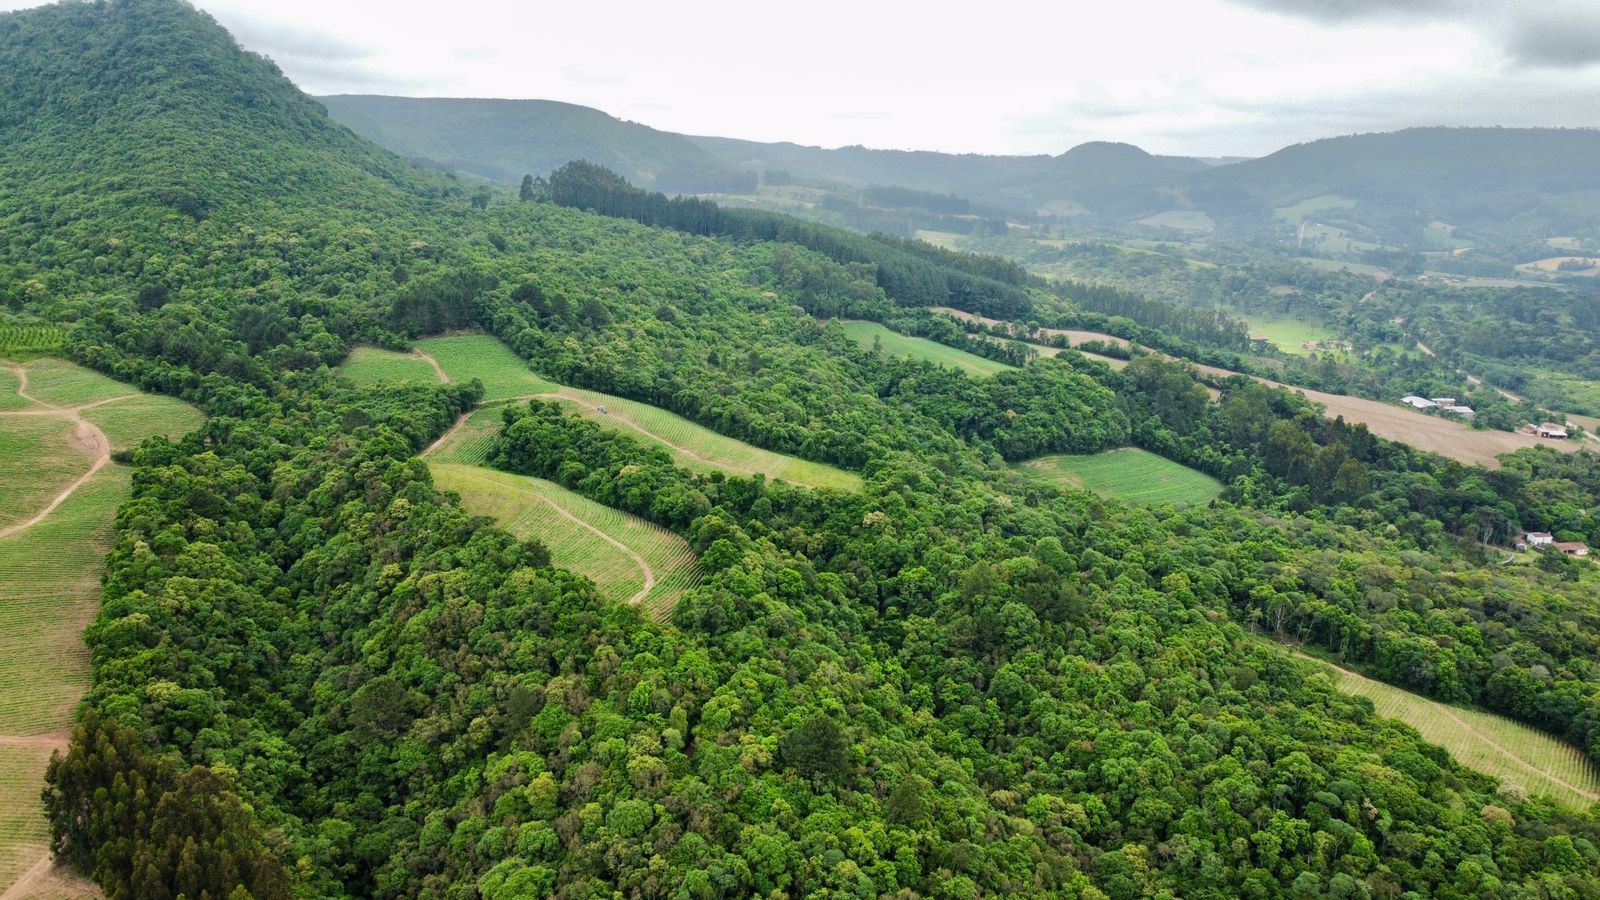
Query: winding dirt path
x=444 y=377
x=644 y=567
x=87 y=438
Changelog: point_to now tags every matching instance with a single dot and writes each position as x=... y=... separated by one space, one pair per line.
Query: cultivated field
x=1492 y=744
x=897 y=344
x=1313 y=206
x=1180 y=219
x=629 y=559
x=26 y=340
x=59 y=424
x=507 y=378
x=367 y=366
x=1575 y=265
x=1446 y=437
x=1287 y=333
x=1128 y=474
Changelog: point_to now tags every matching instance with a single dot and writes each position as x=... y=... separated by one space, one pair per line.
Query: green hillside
x=504 y=140
x=314 y=674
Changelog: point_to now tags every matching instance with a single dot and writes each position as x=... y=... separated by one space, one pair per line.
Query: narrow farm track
x=644 y=567
x=89 y=438
x=444 y=377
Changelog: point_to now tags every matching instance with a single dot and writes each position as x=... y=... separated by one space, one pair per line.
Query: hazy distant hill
x=506 y=139
x=1488 y=184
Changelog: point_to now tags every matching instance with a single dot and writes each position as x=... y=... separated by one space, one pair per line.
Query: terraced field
x=629 y=559
x=897 y=344
x=1492 y=744
x=1128 y=474
x=59 y=423
x=507 y=378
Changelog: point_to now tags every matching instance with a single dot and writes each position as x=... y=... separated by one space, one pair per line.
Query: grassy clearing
x=1492 y=744
x=1128 y=474
x=504 y=374
x=41 y=460
x=652 y=566
x=1288 y=333
x=506 y=377
x=62 y=383
x=893 y=342
x=24 y=834
x=1180 y=219
x=367 y=366
x=1311 y=207
x=128 y=422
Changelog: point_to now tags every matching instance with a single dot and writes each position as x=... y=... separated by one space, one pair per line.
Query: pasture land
x=504 y=374
x=1128 y=473
x=1192 y=220
x=59 y=424
x=897 y=344
x=1565 y=265
x=507 y=378
x=1492 y=744
x=945 y=239
x=1288 y=333
x=367 y=366
x=629 y=559
x=1074 y=337
x=1337 y=265
x=1311 y=207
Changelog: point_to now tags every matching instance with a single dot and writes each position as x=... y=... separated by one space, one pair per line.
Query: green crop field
x=629 y=559
x=1492 y=744
x=504 y=374
x=26 y=340
x=1128 y=474
x=369 y=365
x=50 y=570
x=1180 y=219
x=506 y=377
x=1307 y=208
x=893 y=342
x=1288 y=333
x=41 y=461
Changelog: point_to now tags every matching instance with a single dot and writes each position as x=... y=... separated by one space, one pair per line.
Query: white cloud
x=1208 y=77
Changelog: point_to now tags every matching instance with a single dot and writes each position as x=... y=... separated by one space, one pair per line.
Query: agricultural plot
x=507 y=378
x=628 y=559
x=1289 y=334
x=26 y=340
x=1492 y=744
x=367 y=366
x=504 y=374
x=1128 y=473
x=1192 y=220
x=54 y=459
x=897 y=344
x=1311 y=207
x=59 y=495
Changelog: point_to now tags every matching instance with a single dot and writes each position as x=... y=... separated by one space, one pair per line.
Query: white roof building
x=1418 y=402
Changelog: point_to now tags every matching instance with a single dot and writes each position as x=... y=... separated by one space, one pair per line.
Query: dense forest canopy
x=315 y=675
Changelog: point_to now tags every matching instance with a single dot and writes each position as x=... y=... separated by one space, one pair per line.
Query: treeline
x=907 y=279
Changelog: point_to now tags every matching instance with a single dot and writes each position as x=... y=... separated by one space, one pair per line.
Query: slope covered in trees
x=314 y=675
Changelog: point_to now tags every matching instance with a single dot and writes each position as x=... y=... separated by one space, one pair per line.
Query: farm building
x=1444 y=401
x=1418 y=402
x=1572 y=548
x=1457 y=409
x=1552 y=431
x=1539 y=538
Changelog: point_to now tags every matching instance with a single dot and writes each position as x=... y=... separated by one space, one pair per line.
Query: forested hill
x=504 y=140
x=314 y=675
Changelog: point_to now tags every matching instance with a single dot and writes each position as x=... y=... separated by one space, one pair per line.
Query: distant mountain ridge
x=1500 y=184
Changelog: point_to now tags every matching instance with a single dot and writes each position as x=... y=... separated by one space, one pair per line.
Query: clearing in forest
x=1289 y=334
x=367 y=366
x=1128 y=473
x=506 y=378
x=629 y=559
x=59 y=493
x=897 y=344
x=1492 y=744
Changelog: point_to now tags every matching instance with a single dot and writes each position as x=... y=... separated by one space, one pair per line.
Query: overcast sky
x=1200 y=77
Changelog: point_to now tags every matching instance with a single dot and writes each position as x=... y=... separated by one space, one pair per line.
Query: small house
x=1572 y=548
x=1552 y=431
x=1418 y=402
x=1539 y=538
x=1444 y=401
x=1464 y=412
